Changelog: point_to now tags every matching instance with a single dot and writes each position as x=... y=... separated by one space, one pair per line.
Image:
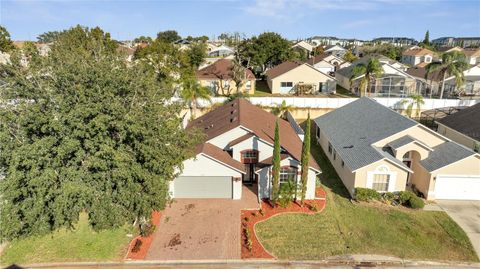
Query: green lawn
x=80 y=244
x=261 y=89
x=342 y=92
x=346 y=228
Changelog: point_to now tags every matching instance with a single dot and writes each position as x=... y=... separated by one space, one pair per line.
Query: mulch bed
x=251 y=217
x=145 y=241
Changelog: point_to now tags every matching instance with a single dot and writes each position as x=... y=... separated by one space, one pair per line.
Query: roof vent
x=348 y=147
x=233 y=119
x=363 y=137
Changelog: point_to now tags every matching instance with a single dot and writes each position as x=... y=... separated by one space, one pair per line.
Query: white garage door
x=203 y=187
x=457 y=187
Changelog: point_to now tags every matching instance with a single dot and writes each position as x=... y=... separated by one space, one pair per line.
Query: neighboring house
x=472 y=55
x=308 y=48
x=470 y=87
x=463 y=127
x=294 y=77
x=427 y=87
x=327 y=64
x=394 y=82
x=221 y=51
x=238 y=151
x=219 y=78
x=449 y=49
x=416 y=55
x=335 y=50
x=454 y=41
x=372 y=146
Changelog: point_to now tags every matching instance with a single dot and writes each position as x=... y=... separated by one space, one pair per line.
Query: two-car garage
x=450 y=187
x=203 y=187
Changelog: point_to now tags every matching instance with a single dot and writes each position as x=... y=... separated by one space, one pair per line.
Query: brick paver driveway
x=201 y=229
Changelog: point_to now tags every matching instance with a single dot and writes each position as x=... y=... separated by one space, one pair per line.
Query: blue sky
x=362 y=19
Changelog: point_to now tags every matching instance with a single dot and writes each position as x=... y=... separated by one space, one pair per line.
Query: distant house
x=335 y=50
x=470 y=87
x=219 y=78
x=327 y=64
x=417 y=55
x=396 y=41
x=294 y=77
x=394 y=82
x=427 y=87
x=372 y=146
x=308 y=48
x=456 y=41
x=448 y=49
x=463 y=127
x=221 y=51
x=472 y=55
x=237 y=152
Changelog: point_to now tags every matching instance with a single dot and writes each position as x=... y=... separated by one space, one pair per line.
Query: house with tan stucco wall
x=372 y=146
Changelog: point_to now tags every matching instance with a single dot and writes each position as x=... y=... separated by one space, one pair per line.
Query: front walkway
x=196 y=229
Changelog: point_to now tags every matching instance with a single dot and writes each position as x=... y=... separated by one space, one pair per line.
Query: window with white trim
x=286 y=84
x=286 y=174
x=380 y=182
x=248 y=85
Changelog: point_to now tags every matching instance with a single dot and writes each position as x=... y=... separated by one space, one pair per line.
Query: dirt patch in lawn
x=252 y=248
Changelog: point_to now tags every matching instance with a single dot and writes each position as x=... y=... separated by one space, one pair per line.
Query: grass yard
x=261 y=89
x=342 y=92
x=80 y=244
x=346 y=228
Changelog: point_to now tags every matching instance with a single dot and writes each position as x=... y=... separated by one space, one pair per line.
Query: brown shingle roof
x=282 y=68
x=240 y=112
x=471 y=52
x=219 y=155
x=465 y=121
x=317 y=59
x=221 y=69
x=417 y=52
x=420 y=72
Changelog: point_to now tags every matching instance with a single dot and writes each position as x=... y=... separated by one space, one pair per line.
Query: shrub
x=136 y=247
x=147 y=229
x=364 y=194
x=388 y=197
x=287 y=192
x=416 y=202
x=314 y=208
x=261 y=212
x=404 y=197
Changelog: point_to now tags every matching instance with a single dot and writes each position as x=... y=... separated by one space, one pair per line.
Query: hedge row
x=405 y=198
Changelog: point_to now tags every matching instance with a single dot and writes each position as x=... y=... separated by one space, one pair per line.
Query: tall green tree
x=168 y=36
x=191 y=92
x=426 y=39
x=87 y=133
x=48 y=37
x=349 y=57
x=197 y=53
x=6 y=44
x=453 y=64
x=369 y=71
x=143 y=39
x=276 y=165
x=414 y=100
x=305 y=160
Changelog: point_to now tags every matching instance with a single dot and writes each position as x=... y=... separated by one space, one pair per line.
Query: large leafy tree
x=86 y=132
x=168 y=36
x=265 y=51
x=197 y=53
x=369 y=71
x=305 y=159
x=276 y=166
x=453 y=64
x=48 y=37
x=6 y=43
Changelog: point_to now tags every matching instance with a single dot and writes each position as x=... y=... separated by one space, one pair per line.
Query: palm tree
x=282 y=109
x=369 y=71
x=453 y=64
x=415 y=100
x=192 y=92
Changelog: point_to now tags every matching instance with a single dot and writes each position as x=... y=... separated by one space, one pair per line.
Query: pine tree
x=276 y=166
x=426 y=40
x=305 y=159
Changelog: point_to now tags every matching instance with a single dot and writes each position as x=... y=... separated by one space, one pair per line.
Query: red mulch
x=146 y=241
x=250 y=217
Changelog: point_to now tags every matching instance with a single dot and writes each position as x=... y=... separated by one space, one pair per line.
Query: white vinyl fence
x=312 y=102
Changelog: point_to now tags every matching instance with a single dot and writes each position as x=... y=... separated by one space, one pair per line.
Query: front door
x=249 y=177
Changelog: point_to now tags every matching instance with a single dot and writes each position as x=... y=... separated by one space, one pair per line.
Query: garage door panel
x=203 y=187
x=457 y=187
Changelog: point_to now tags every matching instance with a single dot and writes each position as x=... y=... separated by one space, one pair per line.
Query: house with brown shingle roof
x=237 y=152
x=417 y=55
x=294 y=77
x=472 y=55
x=327 y=63
x=220 y=78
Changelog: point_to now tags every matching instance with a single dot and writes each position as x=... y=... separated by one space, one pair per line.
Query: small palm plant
x=370 y=71
x=414 y=100
x=282 y=109
x=192 y=92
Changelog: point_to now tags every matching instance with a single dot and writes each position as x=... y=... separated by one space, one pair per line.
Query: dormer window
x=250 y=156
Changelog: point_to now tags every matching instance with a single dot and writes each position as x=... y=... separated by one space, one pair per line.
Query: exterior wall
x=265 y=150
x=237 y=189
x=342 y=81
x=302 y=73
x=423 y=152
x=264 y=179
x=457 y=137
x=398 y=176
x=214 y=86
x=468 y=166
x=204 y=166
x=222 y=140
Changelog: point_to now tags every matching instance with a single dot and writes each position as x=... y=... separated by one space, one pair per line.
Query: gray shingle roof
x=387 y=155
x=405 y=140
x=445 y=154
x=465 y=121
x=353 y=128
